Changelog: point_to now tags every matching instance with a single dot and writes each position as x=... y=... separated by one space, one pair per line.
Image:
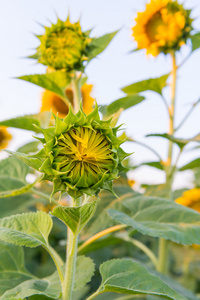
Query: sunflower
x=81 y=154
x=190 y=199
x=164 y=26
x=5 y=137
x=50 y=101
x=63 y=46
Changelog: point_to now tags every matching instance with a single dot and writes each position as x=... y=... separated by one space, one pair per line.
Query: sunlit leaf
x=29 y=229
x=191 y=165
x=158 y=217
x=152 y=84
x=195 y=39
x=128 y=277
x=76 y=217
x=27 y=122
x=55 y=82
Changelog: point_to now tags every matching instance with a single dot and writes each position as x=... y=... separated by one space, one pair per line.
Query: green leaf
x=154 y=164
x=195 y=39
x=30 y=160
x=49 y=286
x=76 y=217
x=14 y=168
x=55 y=82
x=191 y=165
x=10 y=187
x=152 y=84
x=84 y=271
x=12 y=270
x=101 y=220
x=161 y=218
x=29 y=229
x=128 y=277
x=180 y=142
x=27 y=122
x=98 y=45
x=29 y=147
x=122 y=103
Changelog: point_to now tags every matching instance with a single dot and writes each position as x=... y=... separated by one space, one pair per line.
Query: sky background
x=112 y=70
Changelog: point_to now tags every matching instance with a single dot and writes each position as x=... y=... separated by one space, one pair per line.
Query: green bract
x=81 y=154
x=63 y=46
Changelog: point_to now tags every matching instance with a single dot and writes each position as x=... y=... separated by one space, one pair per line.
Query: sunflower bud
x=163 y=27
x=81 y=154
x=63 y=46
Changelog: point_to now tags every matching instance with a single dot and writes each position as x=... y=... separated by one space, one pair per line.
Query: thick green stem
x=164 y=244
x=71 y=255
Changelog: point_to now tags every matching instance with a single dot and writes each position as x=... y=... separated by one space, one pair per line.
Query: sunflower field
x=100 y=150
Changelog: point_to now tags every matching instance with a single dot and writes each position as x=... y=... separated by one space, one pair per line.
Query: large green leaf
x=128 y=277
x=27 y=122
x=12 y=270
x=55 y=82
x=76 y=217
x=191 y=165
x=98 y=45
x=49 y=286
x=29 y=147
x=195 y=39
x=26 y=285
x=152 y=84
x=10 y=187
x=158 y=217
x=121 y=104
x=29 y=229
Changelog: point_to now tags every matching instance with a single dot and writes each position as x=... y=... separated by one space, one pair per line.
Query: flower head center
x=152 y=26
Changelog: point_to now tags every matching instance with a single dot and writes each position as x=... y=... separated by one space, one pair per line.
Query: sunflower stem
x=76 y=93
x=71 y=255
x=163 y=250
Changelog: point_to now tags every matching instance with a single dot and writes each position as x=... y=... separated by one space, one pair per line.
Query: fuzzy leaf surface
x=27 y=122
x=152 y=84
x=84 y=271
x=29 y=229
x=161 y=218
x=128 y=277
x=76 y=217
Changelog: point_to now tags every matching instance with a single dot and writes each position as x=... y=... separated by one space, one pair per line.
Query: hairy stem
x=76 y=94
x=70 y=269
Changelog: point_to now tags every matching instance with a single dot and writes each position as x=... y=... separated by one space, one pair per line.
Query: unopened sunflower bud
x=81 y=154
x=63 y=46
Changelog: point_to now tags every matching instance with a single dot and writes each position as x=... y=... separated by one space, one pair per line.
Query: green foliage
x=84 y=271
x=98 y=45
x=12 y=270
x=152 y=84
x=76 y=217
x=195 y=39
x=29 y=147
x=30 y=160
x=158 y=217
x=55 y=82
x=120 y=105
x=27 y=122
x=128 y=277
x=29 y=229
x=191 y=165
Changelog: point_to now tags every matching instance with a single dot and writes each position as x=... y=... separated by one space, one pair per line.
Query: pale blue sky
x=112 y=70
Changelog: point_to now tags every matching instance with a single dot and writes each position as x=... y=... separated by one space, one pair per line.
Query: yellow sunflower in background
x=5 y=137
x=50 y=101
x=164 y=26
x=190 y=199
